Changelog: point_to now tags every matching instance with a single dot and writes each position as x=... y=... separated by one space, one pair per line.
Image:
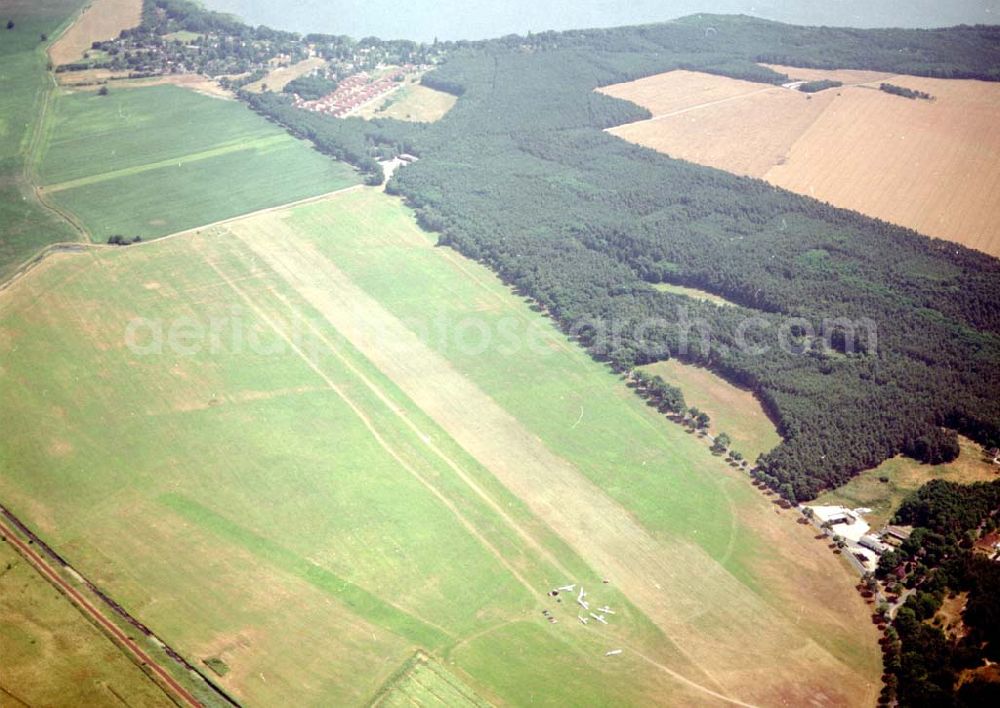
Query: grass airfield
x=312 y=509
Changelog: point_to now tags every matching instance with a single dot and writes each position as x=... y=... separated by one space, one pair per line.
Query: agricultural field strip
x=236 y=146
x=599 y=530
x=464 y=476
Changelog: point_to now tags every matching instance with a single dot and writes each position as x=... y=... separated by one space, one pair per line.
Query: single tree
x=103 y=91
x=10 y=24
x=721 y=443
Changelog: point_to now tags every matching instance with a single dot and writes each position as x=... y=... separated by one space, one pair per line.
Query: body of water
x=423 y=20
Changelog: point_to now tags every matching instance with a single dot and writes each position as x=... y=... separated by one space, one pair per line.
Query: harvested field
x=903 y=477
x=339 y=505
x=933 y=166
x=845 y=76
x=101 y=20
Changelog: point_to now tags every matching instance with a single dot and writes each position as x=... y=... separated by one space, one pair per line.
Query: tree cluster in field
x=119 y=240
x=924 y=663
x=866 y=339
x=904 y=92
x=311 y=87
x=821 y=85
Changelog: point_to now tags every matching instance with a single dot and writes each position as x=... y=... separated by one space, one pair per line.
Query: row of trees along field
x=520 y=176
x=924 y=662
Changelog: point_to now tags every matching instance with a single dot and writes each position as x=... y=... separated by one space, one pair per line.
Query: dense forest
x=862 y=339
x=932 y=665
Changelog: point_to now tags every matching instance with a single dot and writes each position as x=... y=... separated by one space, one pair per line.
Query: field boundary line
x=38 y=134
x=366 y=421
x=29 y=264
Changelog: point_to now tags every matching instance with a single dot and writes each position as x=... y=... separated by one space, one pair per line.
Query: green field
x=283 y=499
x=157 y=160
x=25 y=87
x=51 y=655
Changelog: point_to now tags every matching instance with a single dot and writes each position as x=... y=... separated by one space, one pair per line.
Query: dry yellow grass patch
x=102 y=20
x=90 y=78
x=933 y=166
x=412 y=102
x=277 y=79
x=734 y=411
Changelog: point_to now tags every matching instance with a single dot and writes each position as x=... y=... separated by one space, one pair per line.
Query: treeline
x=863 y=340
x=924 y=662
x=358 y=142
x=904 y=92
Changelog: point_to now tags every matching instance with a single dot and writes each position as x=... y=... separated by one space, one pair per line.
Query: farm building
x=873 y=543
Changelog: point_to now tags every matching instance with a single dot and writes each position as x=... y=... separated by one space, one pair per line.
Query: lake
x=423 y=20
